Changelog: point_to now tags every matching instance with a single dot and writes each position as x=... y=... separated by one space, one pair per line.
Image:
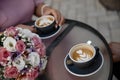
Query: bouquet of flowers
x=22 y=54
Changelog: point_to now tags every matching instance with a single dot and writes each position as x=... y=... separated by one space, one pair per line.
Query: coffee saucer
x=49 y=35
x=83 y=72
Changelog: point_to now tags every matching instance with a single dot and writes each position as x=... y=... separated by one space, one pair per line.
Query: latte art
x=44 y=21
x=82 y=55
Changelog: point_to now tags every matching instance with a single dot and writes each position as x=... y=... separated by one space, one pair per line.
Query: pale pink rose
x=11 y=31
x=36 y=41
x=41 y=49
x=20 y=46
x=11 y=72
x=39 y=46
x=4 y=54
x=32 y=74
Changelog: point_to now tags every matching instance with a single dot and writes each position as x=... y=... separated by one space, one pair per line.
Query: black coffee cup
x=45 y=24
x=82 y=54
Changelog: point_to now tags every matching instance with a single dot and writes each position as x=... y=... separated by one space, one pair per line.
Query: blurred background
x=103 y=15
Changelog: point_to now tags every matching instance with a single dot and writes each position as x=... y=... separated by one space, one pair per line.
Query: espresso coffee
x=83 y=54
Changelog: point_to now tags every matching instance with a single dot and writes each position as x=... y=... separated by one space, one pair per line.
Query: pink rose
x=11 y=72
x=20 y=46
x=11 y=31
x=32 y=74
x=39 y=46
x=4 y=54
x=36 y=41
x=41 y=49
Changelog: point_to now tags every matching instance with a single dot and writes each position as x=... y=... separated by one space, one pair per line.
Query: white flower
x=19 y=63
x=33 y=59
x=19 y=29
x=33 y=34
x=44 y=63
x=9 y=43
x=26 y=32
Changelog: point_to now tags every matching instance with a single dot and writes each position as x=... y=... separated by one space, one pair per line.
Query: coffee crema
x=45 y=21
x=82 y=54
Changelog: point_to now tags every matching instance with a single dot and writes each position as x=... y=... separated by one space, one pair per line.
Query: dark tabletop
x=58 y=46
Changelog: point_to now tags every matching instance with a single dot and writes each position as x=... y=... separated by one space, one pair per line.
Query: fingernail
x=56 y=21
x=56 y=26
x=60 y=25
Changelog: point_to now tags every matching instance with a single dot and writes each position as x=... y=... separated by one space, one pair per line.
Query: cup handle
x=89 y=42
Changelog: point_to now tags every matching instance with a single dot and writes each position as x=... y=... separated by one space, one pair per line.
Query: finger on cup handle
x=56 y=25
x=61 y=22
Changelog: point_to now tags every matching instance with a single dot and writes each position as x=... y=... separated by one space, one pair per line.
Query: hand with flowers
x=22 y=54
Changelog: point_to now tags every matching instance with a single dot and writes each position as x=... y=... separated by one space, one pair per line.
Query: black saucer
x=82 y=72
x=50 y=34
